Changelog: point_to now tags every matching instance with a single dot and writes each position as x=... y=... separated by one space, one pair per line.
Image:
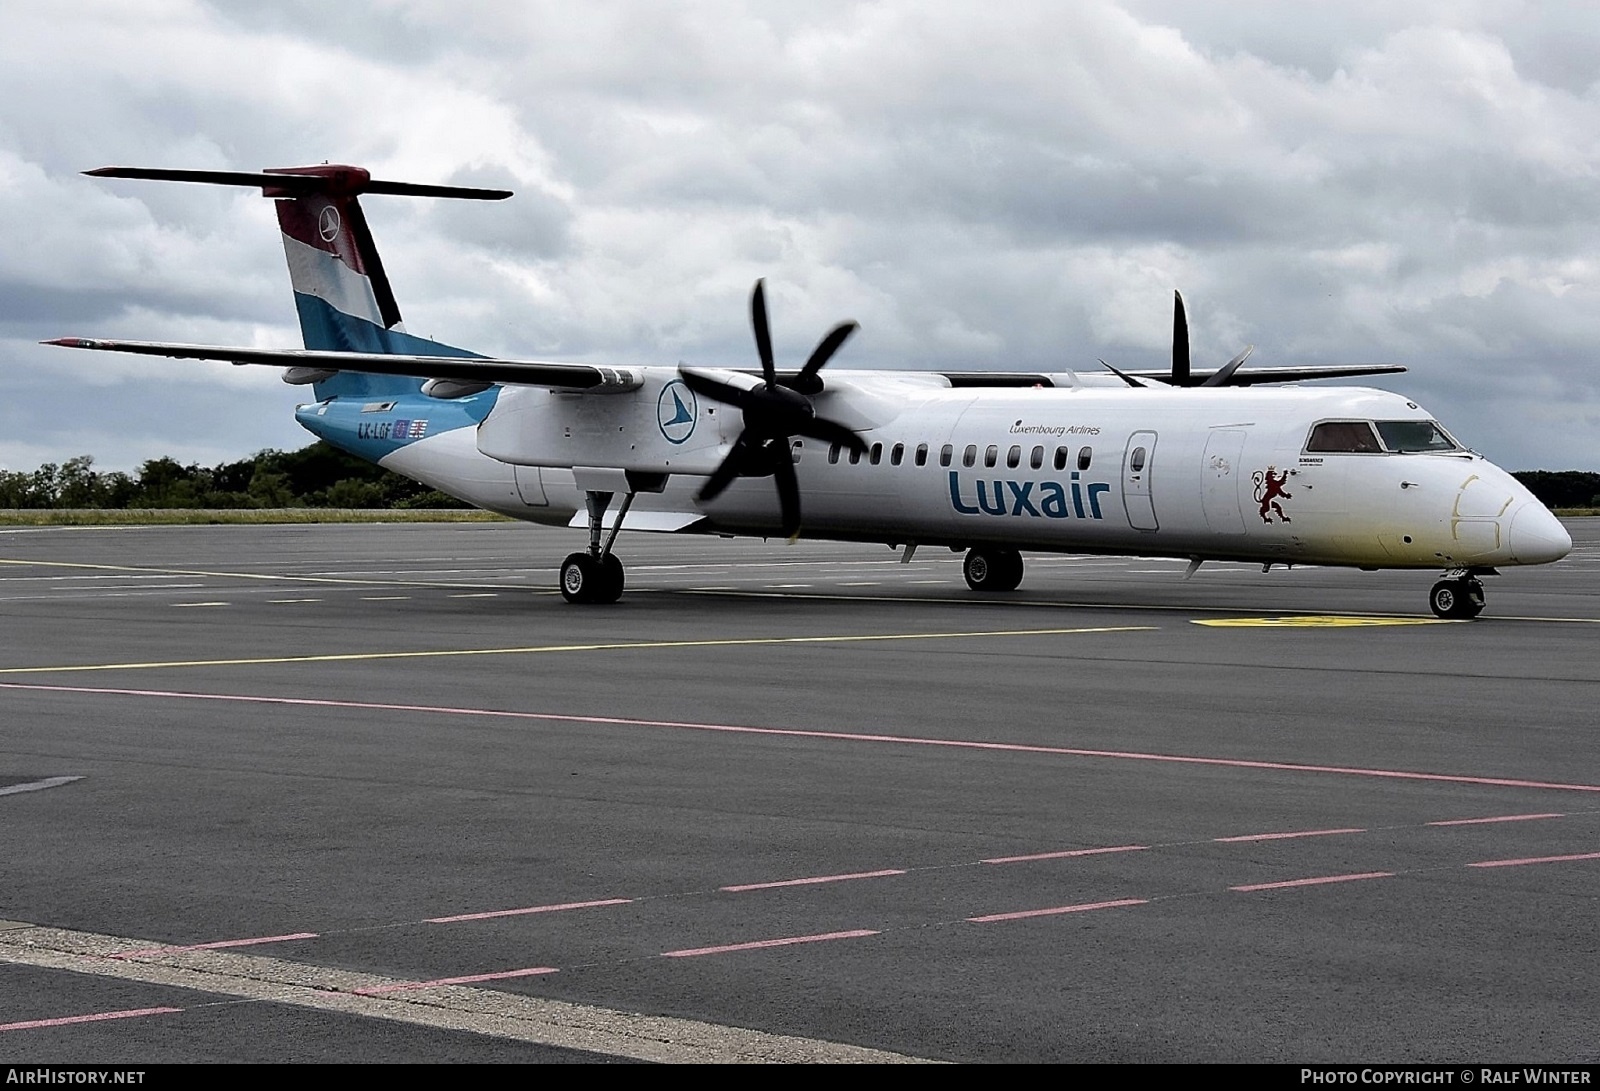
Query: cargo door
x=1219 y=480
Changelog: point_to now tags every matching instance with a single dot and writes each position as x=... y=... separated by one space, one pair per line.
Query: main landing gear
x=990 y=569
x=596 y=576
x=1459 y=596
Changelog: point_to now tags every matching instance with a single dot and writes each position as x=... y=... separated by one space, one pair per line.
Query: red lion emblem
x=1268 y=491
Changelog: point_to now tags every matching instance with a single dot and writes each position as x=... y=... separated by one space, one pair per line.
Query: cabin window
x=991 y=455
x=877 y=453
x=1343 y=436
x=833 y=454
x=1085 y=455
x=1061 y=458
x=969 y=457
x=944 y=454
x=897 y=454
x=796 y=451
x=855 y=457
x=1409 y=436
x=1013 y=457
x=1037 y=459
x=922 y=454
x=1136 y=460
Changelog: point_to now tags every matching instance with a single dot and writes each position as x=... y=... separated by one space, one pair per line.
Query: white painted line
x=37 y=785
x=505 y=1015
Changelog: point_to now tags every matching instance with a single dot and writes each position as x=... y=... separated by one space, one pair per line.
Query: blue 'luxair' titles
x=1038 y=499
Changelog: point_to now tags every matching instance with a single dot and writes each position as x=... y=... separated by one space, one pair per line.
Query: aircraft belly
x=451 y=462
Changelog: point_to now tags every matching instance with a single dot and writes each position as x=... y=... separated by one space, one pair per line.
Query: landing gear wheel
x=1456 y=598
x=608 y=588
x=586 y=578
x=992 y=569
x=580 y=576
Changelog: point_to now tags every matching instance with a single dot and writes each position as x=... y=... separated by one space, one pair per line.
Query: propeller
x=774 y=412
x=1181 y=374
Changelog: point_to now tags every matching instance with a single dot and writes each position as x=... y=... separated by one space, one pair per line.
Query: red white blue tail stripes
x=341 y=292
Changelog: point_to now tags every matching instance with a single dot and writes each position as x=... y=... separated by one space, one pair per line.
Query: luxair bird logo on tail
x=1268 y=491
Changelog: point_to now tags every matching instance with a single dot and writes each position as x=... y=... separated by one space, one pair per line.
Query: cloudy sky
x=1004 y=184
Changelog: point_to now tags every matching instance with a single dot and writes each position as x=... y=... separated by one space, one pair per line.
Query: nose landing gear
x=1457 y=596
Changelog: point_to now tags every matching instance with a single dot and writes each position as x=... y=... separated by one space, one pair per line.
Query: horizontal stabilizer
x=462 y=368
x=296 y=181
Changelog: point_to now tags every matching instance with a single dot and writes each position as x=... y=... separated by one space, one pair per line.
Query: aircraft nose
x=1537 y=537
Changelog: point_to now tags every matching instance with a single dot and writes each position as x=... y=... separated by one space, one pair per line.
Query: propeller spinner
x=774 y=413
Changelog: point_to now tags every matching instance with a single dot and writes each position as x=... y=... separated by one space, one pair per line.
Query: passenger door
x=1138 y=463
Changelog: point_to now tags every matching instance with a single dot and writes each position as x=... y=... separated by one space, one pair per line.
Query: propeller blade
x=808 y=382
x=831 y=432
x=1180 y=342
x=724 y=475
x=1225 y=372
x=718 y=390
x=1129 y=379
x=758 y=319
x=788 y=488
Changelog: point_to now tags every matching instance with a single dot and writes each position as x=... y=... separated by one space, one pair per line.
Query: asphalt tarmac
x=376 y=793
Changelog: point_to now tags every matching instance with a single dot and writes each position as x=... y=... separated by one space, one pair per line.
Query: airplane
x=1221 y=464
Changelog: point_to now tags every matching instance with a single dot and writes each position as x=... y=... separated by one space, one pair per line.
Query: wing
x=461 y=369
x=1238 y=377
x=594 y=377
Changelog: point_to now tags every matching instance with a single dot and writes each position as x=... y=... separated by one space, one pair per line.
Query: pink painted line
x=1057 y=910
x=814 y=880
x=1314 y=882
x=146 y=952
x=530 y=909
x=839 y=736
x=1497 y=818
x=1062 y=855
x=1283 y=836
x=1537 y=860
x=131 y=1014
x=785 y=942
x=471 y=979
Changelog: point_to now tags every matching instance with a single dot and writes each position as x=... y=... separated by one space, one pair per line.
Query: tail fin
x=341 y=292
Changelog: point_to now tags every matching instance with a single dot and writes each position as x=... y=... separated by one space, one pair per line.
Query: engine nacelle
x=662 y=427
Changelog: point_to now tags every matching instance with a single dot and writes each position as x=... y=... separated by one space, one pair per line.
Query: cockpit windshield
x=1347 y=436
x=1409 y=436
x=1357 y=437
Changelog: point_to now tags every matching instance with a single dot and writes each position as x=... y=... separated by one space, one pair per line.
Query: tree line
x=322 y=476
x=318 y=476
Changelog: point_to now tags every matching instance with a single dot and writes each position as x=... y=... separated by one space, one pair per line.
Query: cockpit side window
x=1343 y=436
x=1409 y=436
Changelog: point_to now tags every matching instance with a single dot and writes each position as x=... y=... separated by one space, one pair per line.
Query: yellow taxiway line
x=546 y=649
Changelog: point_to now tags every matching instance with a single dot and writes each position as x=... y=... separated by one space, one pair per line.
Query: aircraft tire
x=580 y=578
x=608 y=587
x=992 y=569
x=1456 y=599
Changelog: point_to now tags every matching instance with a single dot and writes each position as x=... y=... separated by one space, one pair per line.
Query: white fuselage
x=1211 y=473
